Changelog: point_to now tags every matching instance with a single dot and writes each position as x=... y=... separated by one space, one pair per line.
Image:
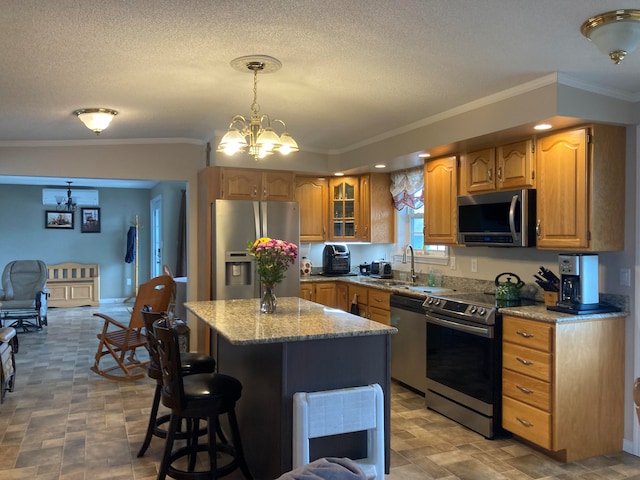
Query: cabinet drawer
x=527 y=333
x=379 y=315
x=527 y=422
x=527 y=389
x=527 y=361
x=361 y=292
x=379 y=299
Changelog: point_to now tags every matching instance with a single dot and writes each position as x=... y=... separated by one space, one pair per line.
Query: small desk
x=304 y=346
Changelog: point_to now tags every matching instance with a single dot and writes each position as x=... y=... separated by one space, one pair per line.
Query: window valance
x=407 y=188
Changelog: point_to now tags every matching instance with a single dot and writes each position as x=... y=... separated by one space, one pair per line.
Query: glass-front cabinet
x=344 y=194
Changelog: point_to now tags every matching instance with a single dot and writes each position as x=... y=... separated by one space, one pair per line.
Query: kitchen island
x=303 y=347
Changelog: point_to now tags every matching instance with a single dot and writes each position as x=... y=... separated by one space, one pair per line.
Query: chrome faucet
x=413 y=275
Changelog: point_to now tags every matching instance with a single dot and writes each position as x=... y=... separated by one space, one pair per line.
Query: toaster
x=381 y=269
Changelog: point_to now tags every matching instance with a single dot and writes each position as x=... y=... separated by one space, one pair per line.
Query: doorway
x=156 y=236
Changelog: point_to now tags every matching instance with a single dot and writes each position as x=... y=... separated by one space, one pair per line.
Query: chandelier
x=66 y=204
x=95 y=119
x=255 y=135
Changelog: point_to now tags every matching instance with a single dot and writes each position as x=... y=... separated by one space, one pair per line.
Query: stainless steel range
x=464 y=359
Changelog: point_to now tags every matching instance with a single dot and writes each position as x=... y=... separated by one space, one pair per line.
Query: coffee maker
x=578 y=281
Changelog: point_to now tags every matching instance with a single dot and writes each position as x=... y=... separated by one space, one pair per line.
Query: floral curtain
x=407 y=188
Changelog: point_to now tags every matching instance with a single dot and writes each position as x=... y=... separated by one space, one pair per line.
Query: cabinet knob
x=538 y=228
x=490 y=175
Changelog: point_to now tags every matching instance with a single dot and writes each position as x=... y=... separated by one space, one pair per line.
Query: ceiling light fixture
x=260 y=139
x=615 y=33
x=66 y=204
x=95 y=119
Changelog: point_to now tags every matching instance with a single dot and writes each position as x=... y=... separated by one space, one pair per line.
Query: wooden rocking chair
x=121 y=341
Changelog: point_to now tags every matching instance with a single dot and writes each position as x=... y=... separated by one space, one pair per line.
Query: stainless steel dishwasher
x=409 y=345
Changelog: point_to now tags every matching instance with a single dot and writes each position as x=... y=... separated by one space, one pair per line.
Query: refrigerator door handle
x=263 y=215
x=256 y=220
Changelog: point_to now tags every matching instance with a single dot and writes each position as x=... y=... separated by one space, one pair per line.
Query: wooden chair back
x=157 y=294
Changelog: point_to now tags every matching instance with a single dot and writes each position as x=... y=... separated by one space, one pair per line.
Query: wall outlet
x=474 y=265
x=128 y=282
x=625 y=277
x=452 y=261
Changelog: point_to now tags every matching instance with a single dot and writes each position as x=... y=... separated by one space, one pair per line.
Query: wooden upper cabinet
x=240 y=183
x=312 y=193
x=516 y=165
x=360 y=208
x=278 y=186
x=580 y=191
x=376 y=219
x=440 y=192
x=343 y=198
x=249 y=184
x=506 y=167
x=478 y=170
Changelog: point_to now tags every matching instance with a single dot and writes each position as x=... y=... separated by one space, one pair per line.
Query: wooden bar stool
x=190 y=363
x=196 y=397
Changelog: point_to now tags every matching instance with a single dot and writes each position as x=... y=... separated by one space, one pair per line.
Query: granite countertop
x=540 y=313
x=534 y=312
x=241 y=321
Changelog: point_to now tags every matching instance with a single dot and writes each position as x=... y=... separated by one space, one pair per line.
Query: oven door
x=462 y=363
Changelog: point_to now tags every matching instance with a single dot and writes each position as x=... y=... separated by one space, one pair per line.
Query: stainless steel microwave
x=504 y=219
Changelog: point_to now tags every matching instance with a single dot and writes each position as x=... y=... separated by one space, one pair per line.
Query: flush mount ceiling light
x=255 y=135
x=95 y=119
x=615 y=33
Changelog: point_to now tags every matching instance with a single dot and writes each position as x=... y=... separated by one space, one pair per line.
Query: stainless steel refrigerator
x=237 y=222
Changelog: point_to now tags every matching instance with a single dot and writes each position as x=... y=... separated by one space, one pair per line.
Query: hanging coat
x=131 y=245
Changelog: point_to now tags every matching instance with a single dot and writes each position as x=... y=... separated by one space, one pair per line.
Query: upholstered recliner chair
x=23 y=297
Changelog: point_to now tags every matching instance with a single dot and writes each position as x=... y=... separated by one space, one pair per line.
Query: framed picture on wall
x=90 y=222
x=54 y=219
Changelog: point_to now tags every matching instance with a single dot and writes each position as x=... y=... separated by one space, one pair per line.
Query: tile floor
x=65 y=422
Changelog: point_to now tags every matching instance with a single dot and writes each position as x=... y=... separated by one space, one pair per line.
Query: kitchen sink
x=384 y=281
x=427 y=289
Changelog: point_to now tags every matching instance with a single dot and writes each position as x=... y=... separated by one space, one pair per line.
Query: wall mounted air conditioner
x=82 y=198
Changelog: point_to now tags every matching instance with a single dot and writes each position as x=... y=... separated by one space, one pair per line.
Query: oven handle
x=478 y=331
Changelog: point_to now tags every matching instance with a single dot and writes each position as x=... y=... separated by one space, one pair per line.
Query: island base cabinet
x=271 y=373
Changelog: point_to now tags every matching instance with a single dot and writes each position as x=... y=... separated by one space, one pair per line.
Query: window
x=410 y=231
x=408 y=198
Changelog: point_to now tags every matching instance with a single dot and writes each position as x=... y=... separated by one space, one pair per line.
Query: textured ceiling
x=352 y=69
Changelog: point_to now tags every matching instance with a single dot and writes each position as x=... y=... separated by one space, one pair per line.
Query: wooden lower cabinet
x=379 y=309
x=306 y=291
x=373 y=303
x=342 y=296
x=563 y=385
x=323 y=293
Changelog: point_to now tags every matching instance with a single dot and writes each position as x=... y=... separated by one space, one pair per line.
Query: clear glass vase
x=269 y=301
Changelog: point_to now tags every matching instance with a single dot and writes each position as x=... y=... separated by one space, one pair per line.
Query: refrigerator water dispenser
x=237 y=268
